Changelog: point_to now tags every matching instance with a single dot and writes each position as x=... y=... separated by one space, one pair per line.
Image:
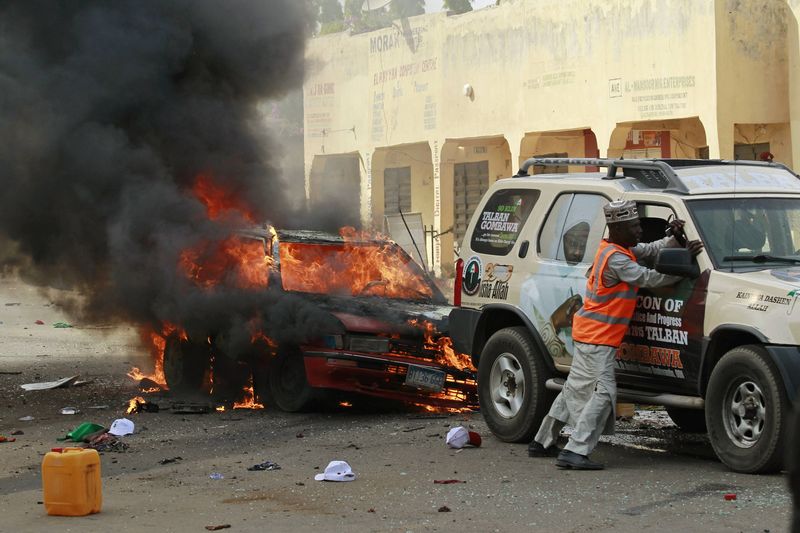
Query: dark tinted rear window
x=501 y=220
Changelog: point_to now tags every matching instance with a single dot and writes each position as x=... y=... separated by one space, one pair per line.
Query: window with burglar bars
x=397 y=190
x=470 y=181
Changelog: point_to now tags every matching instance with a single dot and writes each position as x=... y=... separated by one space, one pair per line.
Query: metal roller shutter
x=470 y=181
x=397 y=190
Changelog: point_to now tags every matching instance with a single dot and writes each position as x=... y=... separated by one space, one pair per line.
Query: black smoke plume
x=108 y=113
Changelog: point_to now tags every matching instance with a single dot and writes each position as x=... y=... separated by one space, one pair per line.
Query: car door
x=664 y=339
x=566 y=244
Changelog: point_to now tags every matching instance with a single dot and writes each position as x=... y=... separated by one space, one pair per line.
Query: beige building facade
x=421 y=117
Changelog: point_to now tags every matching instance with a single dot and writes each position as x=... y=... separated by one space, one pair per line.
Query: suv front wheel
x=511 y=385
x=746 y=411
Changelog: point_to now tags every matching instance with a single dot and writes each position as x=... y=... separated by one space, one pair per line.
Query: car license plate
x=425 y=378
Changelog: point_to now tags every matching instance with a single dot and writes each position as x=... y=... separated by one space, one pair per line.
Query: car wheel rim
x=745 y=411
x=507 y=385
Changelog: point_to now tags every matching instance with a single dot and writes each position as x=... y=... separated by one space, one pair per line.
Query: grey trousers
x=587 y=401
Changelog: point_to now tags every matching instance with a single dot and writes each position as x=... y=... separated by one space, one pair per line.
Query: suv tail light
x=457 y=285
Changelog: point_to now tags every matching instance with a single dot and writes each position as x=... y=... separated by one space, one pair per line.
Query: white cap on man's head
x=620 y=211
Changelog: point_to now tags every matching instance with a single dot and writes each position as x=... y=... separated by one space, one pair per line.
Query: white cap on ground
x=121 y=426
x=336 y=471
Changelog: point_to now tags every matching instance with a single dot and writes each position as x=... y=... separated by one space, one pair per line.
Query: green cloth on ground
x=62 y=325
x=80 y=431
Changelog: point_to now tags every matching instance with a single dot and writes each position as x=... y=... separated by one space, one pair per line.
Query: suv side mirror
x=677 y=262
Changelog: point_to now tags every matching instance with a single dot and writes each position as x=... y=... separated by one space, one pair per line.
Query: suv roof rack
x=655 y=173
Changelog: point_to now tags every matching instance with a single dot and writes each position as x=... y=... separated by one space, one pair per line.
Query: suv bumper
x=463 y=323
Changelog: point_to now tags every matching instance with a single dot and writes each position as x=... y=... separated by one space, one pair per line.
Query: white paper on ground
x=47 y=385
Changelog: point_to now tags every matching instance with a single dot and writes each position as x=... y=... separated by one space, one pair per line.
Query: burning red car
x=385 y=333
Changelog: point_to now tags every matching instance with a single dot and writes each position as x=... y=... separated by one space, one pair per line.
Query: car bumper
x=384 y=376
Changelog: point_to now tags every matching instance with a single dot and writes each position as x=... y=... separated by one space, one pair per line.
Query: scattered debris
x=62 y=325
x=336 y=471
x=409 y=430
x=729 y=497
x=97 y=407
x=10 y=372
x=170 y=460
x=299 y=435
x=82 y=382
x=447 y=481
x=106 y=442
x=47 y=385
x=7 y=439
x=140 y=405
x=148 y=385
x=70 y=410
x=84 y=432
x=216 y=475
x=187 y=408
x=26 y=418
x=18 y=432
x=459 y=436
x=266 y=465
x=9 y=304
x=39 y=323
x=371 y=510
x=218 y=527
x=121 y=427
x=444 y=509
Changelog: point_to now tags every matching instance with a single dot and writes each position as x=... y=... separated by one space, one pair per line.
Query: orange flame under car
x=443 y=345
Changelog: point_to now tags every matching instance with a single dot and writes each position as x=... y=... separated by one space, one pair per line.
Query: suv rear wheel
x=511 y=385
x=746 y=411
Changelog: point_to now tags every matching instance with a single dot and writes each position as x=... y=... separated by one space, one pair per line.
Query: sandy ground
x=657 y=479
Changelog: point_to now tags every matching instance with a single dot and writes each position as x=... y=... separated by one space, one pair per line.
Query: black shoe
x=537 y=450
x=576 y=461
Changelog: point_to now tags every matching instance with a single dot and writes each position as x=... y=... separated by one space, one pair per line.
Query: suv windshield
x=354 y=269
x=748 y=233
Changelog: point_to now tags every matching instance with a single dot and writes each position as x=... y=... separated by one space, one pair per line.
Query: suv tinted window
x=501 y=220
x=574 y=225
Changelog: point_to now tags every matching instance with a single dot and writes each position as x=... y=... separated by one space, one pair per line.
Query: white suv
x=719 y=349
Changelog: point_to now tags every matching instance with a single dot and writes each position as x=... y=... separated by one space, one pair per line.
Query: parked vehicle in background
x=719 y=350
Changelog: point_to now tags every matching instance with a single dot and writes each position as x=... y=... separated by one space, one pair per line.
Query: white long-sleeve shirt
x=621 y=268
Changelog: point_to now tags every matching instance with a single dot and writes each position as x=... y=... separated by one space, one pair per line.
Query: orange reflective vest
x=606 y=311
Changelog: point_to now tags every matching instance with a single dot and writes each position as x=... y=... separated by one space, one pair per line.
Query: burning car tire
x=747 y=411
x=288 y=385
x=186 y=364
x=511 y=385
x=688 y=420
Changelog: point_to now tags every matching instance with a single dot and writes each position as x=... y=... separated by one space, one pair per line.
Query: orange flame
x=133 y=404
x=239 y=262
x=349 y=268
x=248 y=400
x=156 y=341
x=218 y=201
x=443 y=345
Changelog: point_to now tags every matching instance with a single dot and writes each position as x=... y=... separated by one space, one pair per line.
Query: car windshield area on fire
x=748 y=233
x=380 y=269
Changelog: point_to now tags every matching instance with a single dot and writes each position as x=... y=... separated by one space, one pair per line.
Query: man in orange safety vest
x=588 y=398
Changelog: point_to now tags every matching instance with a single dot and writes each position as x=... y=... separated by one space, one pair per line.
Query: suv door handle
x=523 y=249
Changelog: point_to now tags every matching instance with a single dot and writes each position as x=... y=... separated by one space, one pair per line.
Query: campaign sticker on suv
x=472 y=275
